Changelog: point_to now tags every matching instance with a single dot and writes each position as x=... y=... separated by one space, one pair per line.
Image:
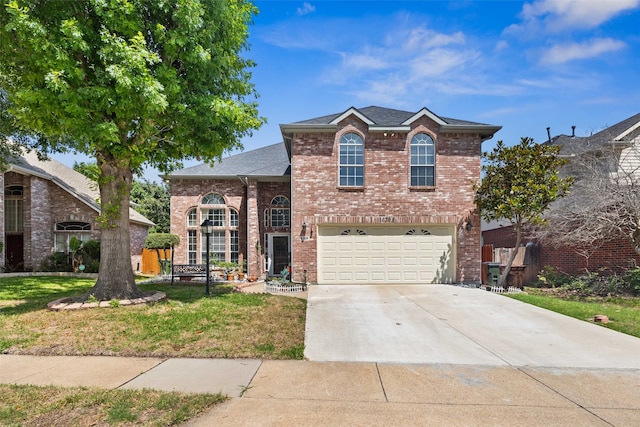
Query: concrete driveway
x=454 y=325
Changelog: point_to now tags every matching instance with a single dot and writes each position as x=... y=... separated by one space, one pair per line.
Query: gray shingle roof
x=68 y=179
x=261 y=162
x=385 y=117
x=577 y=145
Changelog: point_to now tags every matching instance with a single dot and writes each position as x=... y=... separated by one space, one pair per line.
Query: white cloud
x=562 y=53
x=560 y=15
x=306 y=9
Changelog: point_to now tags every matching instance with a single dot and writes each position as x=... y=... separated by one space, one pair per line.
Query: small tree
x=157 y=241
x=518 y=185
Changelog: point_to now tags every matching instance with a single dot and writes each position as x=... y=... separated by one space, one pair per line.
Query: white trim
x=627 y=132
x=349 y=112
x=427 y=113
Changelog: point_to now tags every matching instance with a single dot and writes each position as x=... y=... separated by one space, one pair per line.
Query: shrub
x=549 y=277
x=57 y=262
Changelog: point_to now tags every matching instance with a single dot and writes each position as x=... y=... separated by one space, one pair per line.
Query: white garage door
x=386 y=254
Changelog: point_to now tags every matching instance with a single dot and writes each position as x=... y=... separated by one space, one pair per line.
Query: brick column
x=255 y=261
x=38 y=220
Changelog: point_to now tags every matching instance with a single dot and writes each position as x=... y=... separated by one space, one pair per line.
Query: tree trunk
x=115 y=279
x=503 y=277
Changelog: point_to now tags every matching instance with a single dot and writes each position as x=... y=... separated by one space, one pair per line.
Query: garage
x=412 y=254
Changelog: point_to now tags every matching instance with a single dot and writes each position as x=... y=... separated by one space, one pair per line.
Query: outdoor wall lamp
x=207 y=229
x=468 y=226
x=303 y=236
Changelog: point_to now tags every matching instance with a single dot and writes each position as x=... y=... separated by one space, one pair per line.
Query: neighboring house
x=617 y=145
x=43 y=205
x=369 y=195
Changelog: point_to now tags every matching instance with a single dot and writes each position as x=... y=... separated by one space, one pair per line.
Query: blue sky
x=521 y=65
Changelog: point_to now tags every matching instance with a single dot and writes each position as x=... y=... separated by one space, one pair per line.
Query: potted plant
x=229 y=269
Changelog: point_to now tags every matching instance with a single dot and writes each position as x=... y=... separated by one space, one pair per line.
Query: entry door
x=279 y=252
x=14 y=252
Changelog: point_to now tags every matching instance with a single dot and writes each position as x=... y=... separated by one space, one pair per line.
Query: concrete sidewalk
x=284 y=393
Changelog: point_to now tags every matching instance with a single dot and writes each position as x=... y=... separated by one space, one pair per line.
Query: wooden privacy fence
x=150 y=263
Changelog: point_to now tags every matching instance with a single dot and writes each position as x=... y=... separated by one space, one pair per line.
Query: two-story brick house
x=370 y=195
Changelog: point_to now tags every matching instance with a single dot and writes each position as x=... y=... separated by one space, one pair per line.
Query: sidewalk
x=270 y=393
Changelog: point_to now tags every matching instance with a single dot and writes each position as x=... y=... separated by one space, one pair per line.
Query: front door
x=14 y=252
x=279 y=252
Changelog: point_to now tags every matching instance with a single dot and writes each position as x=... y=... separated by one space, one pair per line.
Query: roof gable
x=74 y=183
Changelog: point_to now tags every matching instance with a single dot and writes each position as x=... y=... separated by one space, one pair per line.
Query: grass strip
x=28 y=405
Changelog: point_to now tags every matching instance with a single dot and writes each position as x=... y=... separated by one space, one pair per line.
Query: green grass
x=623 y=313
x=187 y=324
x=75 y=406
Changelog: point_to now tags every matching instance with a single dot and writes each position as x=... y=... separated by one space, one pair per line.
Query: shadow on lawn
x=23 y=294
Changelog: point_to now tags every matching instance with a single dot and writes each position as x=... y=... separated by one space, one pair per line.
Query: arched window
x=277 y=215
x=351 y=160
x=224 y=240
x=423 y=161
x=213 y=199
x=13 y=215
x=64 y=231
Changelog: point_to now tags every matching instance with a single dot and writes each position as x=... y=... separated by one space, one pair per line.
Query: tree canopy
x=518 y=185
x=130 y=83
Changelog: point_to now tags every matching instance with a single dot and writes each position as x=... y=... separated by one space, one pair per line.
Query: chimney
x=549 y=134
x=573 y=131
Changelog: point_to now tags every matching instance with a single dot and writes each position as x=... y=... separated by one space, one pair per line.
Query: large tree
x=518 y=184
x=128 y=82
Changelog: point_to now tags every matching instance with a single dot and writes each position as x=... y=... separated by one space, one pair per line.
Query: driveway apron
x=453 y=325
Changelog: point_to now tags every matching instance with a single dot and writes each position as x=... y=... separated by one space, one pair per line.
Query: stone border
x=67 y=303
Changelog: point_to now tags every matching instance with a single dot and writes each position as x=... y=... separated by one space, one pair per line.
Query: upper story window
x=423 y=161
x=192 y=218
x=277 y=215
x=351 y=160
x=223 y=241
x=213 y=199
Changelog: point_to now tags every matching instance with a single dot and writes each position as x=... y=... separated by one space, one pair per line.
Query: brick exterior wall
x=250 y=199
x=610 y=257
x=186 y=194
x=318 y=200
x=44 y=205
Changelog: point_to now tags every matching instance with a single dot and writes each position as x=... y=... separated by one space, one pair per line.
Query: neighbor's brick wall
x=612 y=257
x=38 y=219
x=317 y=199
x=138 y=235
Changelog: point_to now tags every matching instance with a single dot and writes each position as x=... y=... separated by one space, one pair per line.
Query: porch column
x=254 y=257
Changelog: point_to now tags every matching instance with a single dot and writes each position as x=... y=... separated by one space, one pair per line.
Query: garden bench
x=188 y=270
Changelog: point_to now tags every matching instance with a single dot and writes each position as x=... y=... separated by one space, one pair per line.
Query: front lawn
x=623 y=312
x=187 y=324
